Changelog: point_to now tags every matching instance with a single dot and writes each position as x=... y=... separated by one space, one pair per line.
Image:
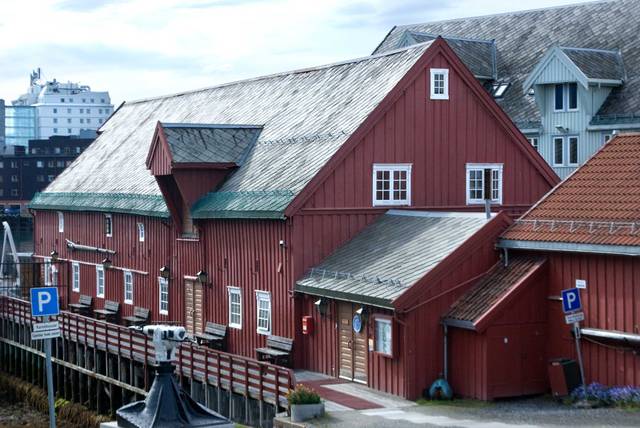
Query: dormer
x=190 y=160
x=479 y=55
x=575 y=79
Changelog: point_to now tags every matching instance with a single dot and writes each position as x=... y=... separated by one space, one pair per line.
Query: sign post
x=45 y=303
x=572 y=307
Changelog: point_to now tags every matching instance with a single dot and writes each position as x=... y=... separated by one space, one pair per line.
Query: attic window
x=391 y=184
x=439 y=84
x=499 y=89
x=476 y=175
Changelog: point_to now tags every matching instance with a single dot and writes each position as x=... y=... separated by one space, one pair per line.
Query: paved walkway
x=364 y=407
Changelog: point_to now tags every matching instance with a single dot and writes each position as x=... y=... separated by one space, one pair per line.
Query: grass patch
x=460 y=402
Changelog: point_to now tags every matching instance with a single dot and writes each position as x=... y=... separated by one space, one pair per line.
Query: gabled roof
x=203 y=143
x=478 y=55
x=390 y=255
x=596 y=209
x=522 y=38
x=306 y=117
x=490 y=295
x=586 y=66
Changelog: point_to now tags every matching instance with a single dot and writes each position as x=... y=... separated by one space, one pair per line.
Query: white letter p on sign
x=44 y=297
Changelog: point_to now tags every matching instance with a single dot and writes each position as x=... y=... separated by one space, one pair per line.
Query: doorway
x=353 y=352
x=193 y=306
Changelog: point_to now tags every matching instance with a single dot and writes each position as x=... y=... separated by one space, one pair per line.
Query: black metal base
x=167 y=405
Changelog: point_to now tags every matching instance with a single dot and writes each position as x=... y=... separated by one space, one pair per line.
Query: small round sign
x=357 y=323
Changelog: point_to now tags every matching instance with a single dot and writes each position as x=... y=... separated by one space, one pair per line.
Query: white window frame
x=60 y=222
x=553 y=151
x=108 y=217
x=534 y=141
x=482 y=166
x=47 y=272
x=263 y=296
x=54 y=275
x=100 y=281
x=568 y=93
x=75 y=277
x=386 y=321
x=128 y=287
x=163 y=283
x=391 y=168
x=564 y=96
x=568 y=143
x=236 y=292
x=140 y=227
x=433 y=73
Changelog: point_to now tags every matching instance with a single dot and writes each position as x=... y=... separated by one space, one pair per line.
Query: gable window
x=607 y=137
x=558 y=103
x=75 y=277
x=439 y=84
x=476 y=174
x=60 y=222
x=573 y=151
x=141 y=232
x=263 y=304
x=558 y=151
x=534 y=142
x=128 y=287
x=99 y=281
x=391 y=184
x=163 y=295
x=384 y=336
x=108 y=225
x=235 y=307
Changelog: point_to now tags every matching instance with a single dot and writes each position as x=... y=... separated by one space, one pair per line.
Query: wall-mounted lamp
x=322 y=305
x=107 y=263
x=364 y=313
x=164 y=272
x=202 y=277
x=282 y=243
x=54 y=255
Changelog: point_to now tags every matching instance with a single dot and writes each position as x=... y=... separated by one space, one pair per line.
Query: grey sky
x=142 y=48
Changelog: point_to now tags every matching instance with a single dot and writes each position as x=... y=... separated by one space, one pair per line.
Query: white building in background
x=65 y=108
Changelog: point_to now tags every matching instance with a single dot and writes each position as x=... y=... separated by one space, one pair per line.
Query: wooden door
x=504 y=349
x=353 y=346
x=193 y=306
x=534 y=372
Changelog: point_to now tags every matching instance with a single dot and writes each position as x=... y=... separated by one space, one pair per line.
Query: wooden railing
x=231 y=372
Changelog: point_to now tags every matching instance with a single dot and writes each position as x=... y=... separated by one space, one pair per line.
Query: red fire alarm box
x=307 y=324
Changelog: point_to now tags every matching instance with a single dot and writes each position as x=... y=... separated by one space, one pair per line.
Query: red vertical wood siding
x=439 y=138
x=610 y=302
x=87 y=228
x=194 y=183
x=468 y=363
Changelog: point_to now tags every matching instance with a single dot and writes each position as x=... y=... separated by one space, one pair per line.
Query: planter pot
x=303 y=412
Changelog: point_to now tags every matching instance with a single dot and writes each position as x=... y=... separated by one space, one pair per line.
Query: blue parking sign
x=44 y=301
x=571 y=300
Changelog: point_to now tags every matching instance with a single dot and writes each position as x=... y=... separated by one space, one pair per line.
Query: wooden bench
x=140 y=316
x=84 y=305
x=214 y=336
x=278 y=350
x=110 y=311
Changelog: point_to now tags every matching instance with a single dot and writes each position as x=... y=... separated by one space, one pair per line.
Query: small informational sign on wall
x=581 y=283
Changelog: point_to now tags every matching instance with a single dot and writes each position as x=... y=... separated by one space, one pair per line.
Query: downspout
x=445 y=371
x=506 y=257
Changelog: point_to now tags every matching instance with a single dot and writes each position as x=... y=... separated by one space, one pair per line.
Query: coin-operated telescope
x=166 y=404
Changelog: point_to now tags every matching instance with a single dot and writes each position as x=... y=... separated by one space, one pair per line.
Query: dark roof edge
x=347 y=297
x=231 y=214
x=384 y=39
x=124 y=203
x=452 y=322
x=209 y=125
x=569 y=247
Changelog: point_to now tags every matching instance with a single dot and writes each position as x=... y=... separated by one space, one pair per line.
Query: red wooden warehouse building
x=341 y=192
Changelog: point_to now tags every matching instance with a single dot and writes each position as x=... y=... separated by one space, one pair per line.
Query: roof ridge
x=209 y=125
x=416 y=46
x=446 y=36
x=517 y=12
x=617 y=52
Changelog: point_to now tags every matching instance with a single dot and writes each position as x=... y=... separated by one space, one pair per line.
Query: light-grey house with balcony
x=568 y=76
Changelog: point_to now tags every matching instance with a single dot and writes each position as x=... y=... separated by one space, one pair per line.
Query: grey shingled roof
x=306 y=116
x=478 y=55
x=193 y=143
x=522 y=38
x=390 y=255
x=597 y=63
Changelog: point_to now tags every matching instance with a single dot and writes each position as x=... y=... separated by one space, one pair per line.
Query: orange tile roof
x=597 y=204
x=485 y=297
